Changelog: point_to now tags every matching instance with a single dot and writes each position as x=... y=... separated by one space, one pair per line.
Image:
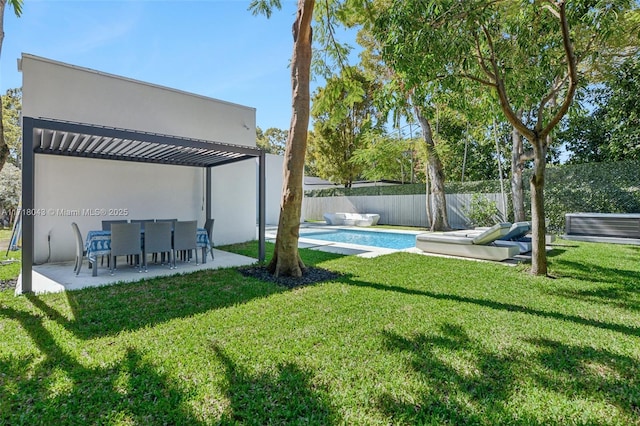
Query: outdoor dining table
x=98 y=243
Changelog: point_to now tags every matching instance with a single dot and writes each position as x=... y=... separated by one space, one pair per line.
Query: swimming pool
x=392 y=240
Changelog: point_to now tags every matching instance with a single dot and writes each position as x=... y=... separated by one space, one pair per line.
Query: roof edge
x=132 y=80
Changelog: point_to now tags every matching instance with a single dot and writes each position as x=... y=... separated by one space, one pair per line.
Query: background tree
x=17 y=8
x=527 y=53
x=387 y=157
x=344 y=116
x=11 y=110
x=10 y=190
x=272 y=140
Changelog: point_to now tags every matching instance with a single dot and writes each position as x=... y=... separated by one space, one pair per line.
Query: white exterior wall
x=273 y=188
x=64 y=92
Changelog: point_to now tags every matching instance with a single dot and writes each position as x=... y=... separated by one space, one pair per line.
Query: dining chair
x=172 y=221
x=185 y=238
x=106 y=226
x=125 y=241
x=80 y=251
x=208 y=226
x=142 y=222
x=157 y=239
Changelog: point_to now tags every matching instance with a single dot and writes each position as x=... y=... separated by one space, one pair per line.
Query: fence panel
x=404 y=210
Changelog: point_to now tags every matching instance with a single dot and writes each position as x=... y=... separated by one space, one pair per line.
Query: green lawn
x=399 y=339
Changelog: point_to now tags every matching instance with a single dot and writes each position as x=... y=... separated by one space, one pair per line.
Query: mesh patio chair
x=80 y=251
x=157 y=239
x=164 y=255
x=208 y=225
x=106 y=226
x=142 y=222
x=185 y=239
x=125 y=241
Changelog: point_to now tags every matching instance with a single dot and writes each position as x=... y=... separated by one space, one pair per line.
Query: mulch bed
x=311 y=275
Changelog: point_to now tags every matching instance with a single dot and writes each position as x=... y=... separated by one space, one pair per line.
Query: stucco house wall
x=65 y=185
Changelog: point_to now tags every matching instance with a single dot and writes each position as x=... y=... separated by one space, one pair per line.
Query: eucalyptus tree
x=525 y=52
x=17 y=8
x=286 y=259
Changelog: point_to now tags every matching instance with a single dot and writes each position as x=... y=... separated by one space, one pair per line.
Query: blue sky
x=215 y=48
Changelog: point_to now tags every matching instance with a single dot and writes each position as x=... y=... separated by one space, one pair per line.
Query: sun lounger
x=477 y=244
x=352 y=219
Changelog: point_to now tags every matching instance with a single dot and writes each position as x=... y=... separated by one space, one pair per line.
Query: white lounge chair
x=352 y=219
x=477 y=244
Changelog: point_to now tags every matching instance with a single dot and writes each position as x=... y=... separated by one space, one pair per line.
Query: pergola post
x=262 y=173
x=208 y=194
x=28 y=204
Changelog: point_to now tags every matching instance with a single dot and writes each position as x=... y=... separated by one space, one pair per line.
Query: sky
x=214 y=48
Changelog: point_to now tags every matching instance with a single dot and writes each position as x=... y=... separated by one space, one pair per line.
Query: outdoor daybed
x=476 y=244
x=517 y=236
x=352 y=219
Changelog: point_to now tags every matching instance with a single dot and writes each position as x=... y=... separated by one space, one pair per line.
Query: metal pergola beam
x=176 y=151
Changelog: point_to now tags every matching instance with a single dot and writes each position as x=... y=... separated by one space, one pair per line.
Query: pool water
x=392 y=240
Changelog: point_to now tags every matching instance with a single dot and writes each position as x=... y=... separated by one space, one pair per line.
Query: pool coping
x=344 y=248
x=370 y=251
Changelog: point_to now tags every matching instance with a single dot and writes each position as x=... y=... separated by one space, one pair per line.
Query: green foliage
x=386 y=158
x=591 y=187
x=401 y=339
x=344 y=119
x=482 y=211
x=272 y=140
x=611 y=130
x=10 y=188
x=11 y=111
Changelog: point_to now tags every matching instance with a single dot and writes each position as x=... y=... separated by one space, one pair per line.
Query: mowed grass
x=401 y=339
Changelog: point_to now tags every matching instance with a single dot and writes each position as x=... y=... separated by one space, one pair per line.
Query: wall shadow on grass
x=108 y=310
x=285 y=397
x=55 y=388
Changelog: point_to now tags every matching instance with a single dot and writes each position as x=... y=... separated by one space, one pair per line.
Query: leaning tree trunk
x=539 y=255
x=439 y=221
x=517 y=165
x=286 y=259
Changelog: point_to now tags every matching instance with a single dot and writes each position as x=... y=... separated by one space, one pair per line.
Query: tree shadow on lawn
x=54 y=387
x=286 y=397
x=108 y=310
x=595 y=273
x=508 y=307
x=468 y=384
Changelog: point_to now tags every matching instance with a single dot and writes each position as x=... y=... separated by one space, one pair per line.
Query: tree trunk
x=439 y=221
x=4 y=148
x=517 y=190
x=539 y=254
x=286 y=259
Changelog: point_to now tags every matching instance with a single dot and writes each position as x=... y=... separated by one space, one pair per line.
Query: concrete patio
x=59 y=277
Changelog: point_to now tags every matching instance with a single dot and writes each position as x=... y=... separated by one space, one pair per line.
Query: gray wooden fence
x=405 y=210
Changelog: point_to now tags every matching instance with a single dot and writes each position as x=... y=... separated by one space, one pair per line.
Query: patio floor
x=58 y=277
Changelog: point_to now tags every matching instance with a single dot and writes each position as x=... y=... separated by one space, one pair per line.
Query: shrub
x=482 y=211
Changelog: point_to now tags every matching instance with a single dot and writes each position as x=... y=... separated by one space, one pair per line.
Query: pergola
x=55 y=137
